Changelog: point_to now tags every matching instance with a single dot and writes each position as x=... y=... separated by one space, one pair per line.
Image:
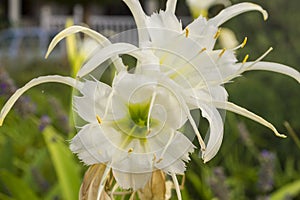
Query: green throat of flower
x=136 y=124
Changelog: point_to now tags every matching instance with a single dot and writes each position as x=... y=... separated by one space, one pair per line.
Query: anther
x=244 y=42
x=98 y=119
x=245 y=59
x=154 y=157
x=222 y=52
x=187 y=31
x=159 y=160
x=217 y=34
x=202 y=50
x=130 y=150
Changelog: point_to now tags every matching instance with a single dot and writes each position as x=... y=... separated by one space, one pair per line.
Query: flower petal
x=133 y=88
x=203 y=33
x=216 y=127
x=42 y=79
x=139 y=17
x=274 y=67
x=235 y=10
x=172 y=160
x=246 y=113
x=92 y=145
x=75 y=29
x=104 y=54
x=171 y=6
x=93 y=102
x=131 y=180
x=163 y=26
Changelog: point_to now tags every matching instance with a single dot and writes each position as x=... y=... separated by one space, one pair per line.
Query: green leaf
x=65 y=166
x=5 y=197
x=16 y=186
x=289 y=190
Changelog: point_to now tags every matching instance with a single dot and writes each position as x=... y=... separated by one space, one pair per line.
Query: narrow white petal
x=215 y=131
x=235 y=10
x=42 y=79
x=171 y=5
x=75 y=29
x=175 y=181
x=246 y=113
x=274 y=67
x=139 y=17
x=103 y=54
x=102 y=40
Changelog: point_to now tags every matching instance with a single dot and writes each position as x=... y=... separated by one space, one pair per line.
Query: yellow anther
x=217 y=34
x=130 y=150
x=245 y=59
x=222 y=52
x=244 y=42
x=187 y=31
x=154 y=157
x=203 y=49
x=159 y=160
x=98 y=119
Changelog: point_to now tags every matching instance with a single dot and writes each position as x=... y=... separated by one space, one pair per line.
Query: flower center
x=134 y=125
x=139 y=113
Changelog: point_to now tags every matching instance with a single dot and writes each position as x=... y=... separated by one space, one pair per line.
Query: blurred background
x=35 y=162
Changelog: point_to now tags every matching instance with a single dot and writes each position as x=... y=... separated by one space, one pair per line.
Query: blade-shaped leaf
x=17 y=187
x=65 y=166
x=289 y=190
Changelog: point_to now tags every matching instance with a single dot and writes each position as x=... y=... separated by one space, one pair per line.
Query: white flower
x=188 y=58
x=132 y=127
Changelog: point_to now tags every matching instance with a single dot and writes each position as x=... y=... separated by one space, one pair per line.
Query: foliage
x=252 y=163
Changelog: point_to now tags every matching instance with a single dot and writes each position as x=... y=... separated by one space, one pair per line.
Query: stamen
x=175 y=181
x=130 y=150
x=217 y=34
x=245 y=59
x=187 y=32
x=154 y=158
x=244 y=42
x=194 y=126
x=258 y=59
x=149 y=112
x=222 y=52
x=241 y=45
x=109 y=99
x=98 y=119
x=202 y=50
x=165 y=148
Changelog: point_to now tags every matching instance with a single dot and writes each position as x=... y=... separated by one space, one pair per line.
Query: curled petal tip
x=282 y=136
x=265 y=14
